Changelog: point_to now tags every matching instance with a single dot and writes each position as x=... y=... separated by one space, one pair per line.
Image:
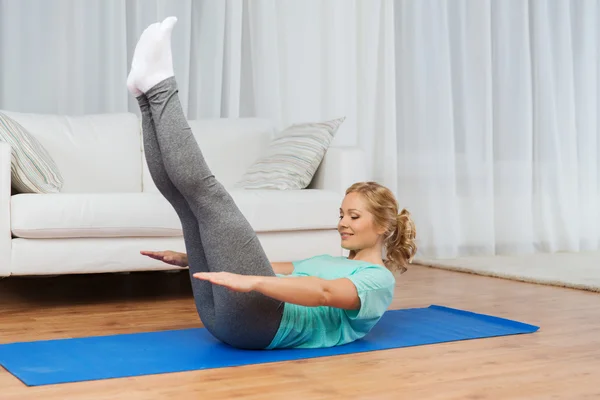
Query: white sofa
x=109 y=208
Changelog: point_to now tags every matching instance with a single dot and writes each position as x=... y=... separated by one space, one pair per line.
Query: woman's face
x=357 y=226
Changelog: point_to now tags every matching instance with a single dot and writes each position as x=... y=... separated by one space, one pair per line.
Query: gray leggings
x=217 y=236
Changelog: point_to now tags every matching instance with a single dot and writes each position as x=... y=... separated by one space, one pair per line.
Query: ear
x=381 y=230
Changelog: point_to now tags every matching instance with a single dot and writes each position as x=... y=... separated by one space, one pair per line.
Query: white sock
x=138 y=62
x=152 y=60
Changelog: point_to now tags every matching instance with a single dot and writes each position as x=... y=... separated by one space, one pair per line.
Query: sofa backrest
x=101 y=153
x=229 y=146
x=94 y=153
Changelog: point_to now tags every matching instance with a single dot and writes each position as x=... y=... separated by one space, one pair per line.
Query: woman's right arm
x=283 y=268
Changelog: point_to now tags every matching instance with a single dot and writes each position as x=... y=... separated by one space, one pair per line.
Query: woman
x=243 y=299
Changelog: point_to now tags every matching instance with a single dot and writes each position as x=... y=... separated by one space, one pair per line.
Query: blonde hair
x=400 y=231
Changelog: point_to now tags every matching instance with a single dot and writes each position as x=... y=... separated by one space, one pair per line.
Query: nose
x=342 y=223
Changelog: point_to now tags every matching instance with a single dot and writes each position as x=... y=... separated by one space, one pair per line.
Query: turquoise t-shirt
x=315 y=327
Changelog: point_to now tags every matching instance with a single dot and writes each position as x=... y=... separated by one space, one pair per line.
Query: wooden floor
x=561 y=361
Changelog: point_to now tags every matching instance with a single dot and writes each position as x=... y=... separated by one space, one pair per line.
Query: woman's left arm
x=310 y=291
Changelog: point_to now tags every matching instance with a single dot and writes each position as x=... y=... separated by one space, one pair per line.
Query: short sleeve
x=375 y=287
x=305 y=266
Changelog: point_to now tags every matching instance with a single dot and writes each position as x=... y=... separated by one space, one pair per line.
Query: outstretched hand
x=235 y=282
x=168 y=256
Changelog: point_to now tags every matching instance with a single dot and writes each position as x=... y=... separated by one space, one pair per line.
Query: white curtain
x=497 y=124
x=480 y=115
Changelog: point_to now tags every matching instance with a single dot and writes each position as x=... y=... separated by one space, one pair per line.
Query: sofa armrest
x=5 y=191
x=341 y=167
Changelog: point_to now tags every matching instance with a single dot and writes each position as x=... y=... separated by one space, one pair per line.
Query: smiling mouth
x=345 y=235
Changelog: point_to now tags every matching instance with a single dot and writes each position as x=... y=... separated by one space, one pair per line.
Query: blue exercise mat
x=116 y=356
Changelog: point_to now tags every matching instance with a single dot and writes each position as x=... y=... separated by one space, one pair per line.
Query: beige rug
x=573 y=270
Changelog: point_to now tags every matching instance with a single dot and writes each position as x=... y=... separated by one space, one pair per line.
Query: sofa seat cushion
x=70 y=215
x=75 y=215
x=288 y=210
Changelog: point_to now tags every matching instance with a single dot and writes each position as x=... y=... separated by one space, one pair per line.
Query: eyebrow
x=351 y=209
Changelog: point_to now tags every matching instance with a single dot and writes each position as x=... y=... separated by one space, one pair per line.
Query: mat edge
x=492 y=318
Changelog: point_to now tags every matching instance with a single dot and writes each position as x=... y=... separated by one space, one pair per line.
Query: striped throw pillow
x=32 y=168
x=292 y=158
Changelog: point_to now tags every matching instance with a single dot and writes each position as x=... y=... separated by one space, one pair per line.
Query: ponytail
x=400 y=245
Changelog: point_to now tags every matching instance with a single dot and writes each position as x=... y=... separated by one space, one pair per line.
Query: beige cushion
x=292 y=158
x=32 y=169
x=72 y=215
